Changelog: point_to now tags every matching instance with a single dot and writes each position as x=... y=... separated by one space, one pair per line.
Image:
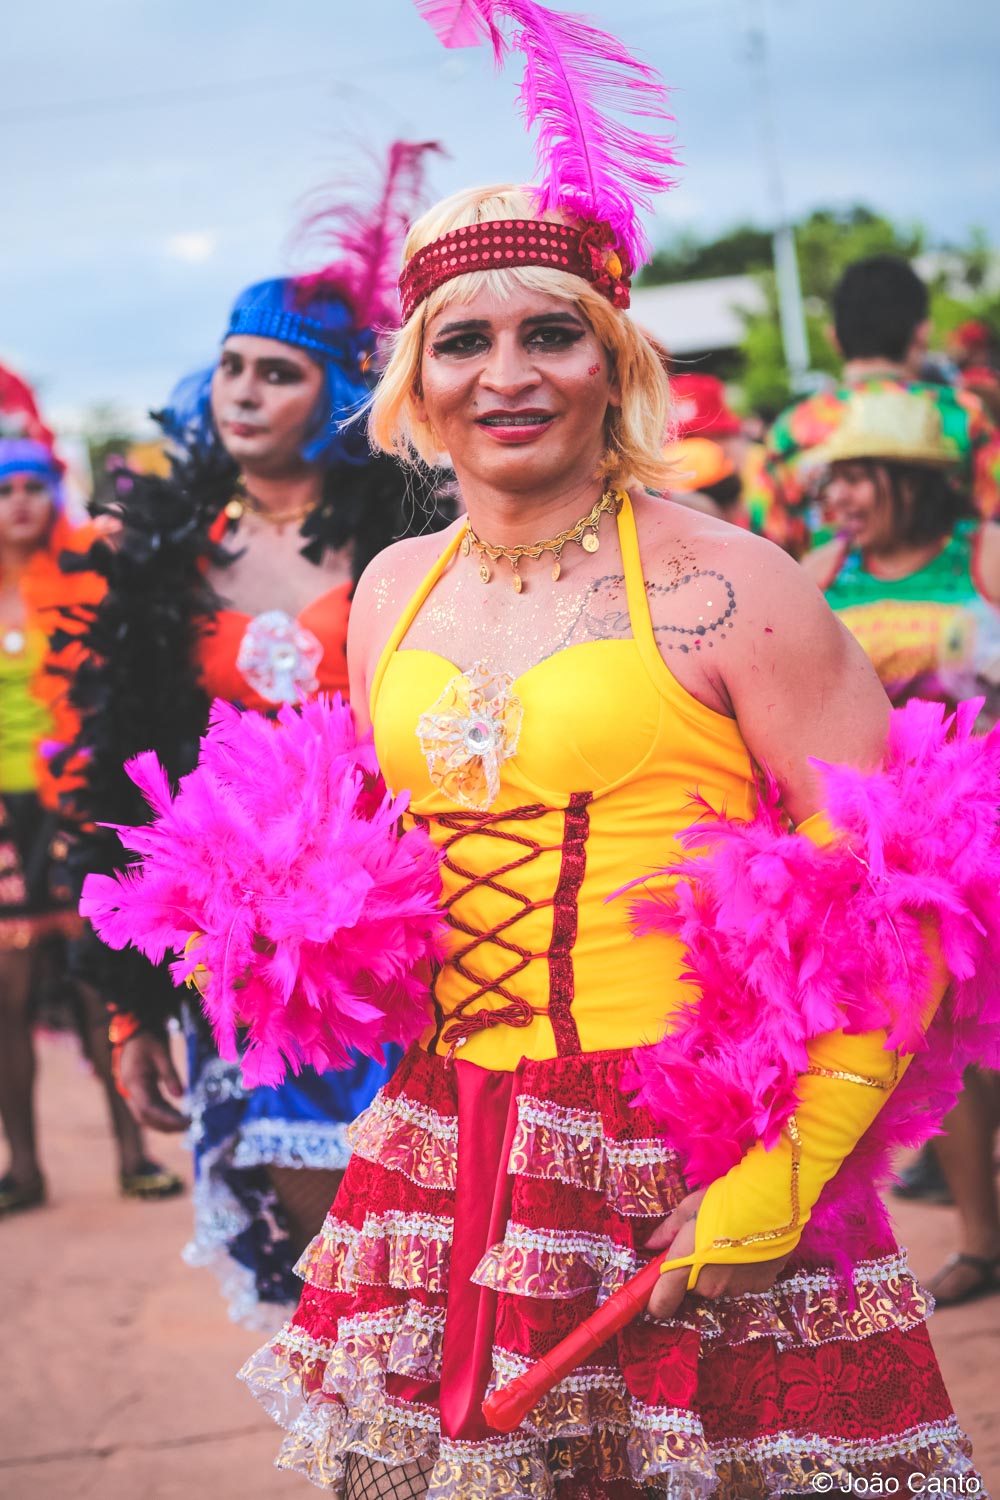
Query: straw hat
x=899 y=425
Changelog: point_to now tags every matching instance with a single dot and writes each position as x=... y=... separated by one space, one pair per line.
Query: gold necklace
x=243 y=501
x=584 y=532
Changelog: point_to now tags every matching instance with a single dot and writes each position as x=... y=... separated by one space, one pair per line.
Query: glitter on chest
x=278 y=658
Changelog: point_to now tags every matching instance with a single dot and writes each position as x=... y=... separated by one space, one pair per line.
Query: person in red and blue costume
x=233 y=580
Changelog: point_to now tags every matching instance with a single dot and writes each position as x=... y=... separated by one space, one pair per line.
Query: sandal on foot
x=17 y=1196
x=150 y=1180
x=986 y=1279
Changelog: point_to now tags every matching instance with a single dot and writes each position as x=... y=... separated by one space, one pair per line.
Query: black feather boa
x=139 y=688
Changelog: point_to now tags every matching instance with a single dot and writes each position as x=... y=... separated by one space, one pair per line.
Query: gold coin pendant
x=590 y=541
x=484 y=572
x=518 y=585
x=234 y=510
x=556 y=570
x=466 y=546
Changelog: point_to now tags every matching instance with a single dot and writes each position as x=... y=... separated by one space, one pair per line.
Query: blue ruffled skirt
x=236 y=1133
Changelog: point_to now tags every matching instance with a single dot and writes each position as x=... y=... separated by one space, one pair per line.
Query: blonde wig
x=635 y=431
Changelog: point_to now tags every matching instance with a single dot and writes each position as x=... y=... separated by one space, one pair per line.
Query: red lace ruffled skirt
x=439 y=1273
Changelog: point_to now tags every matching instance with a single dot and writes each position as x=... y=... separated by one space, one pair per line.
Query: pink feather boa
x=284 y=852
x=787 y=942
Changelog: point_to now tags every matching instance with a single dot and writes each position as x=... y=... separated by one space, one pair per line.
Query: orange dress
x=248 y=659
x=36 y=722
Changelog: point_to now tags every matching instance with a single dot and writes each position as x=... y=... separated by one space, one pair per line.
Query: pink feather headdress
x=579 y=84
x=363 y=241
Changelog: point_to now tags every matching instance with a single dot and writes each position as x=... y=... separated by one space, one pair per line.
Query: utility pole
x=786 y=264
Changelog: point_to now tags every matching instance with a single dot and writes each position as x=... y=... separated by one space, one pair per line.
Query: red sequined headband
x=493 y=246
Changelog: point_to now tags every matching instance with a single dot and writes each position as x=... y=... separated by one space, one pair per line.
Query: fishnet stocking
x=305 y=1194
x=367 y=1479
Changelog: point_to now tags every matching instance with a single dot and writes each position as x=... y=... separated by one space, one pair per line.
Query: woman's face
x=517 y=391
x=264 y=396
x=25 y=510
x=858 y=505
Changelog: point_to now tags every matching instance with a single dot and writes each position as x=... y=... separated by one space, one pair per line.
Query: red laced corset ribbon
x=464 y=1020
x=500 y=243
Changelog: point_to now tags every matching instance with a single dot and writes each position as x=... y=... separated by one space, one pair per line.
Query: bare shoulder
x=384 y=589
x=745 y=628
x=732 y=612
x=391 y=578
x=682 y=546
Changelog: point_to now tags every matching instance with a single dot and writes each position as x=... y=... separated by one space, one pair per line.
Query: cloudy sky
x=155 y=150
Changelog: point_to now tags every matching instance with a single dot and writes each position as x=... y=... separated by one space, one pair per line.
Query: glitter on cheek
x=594 y=370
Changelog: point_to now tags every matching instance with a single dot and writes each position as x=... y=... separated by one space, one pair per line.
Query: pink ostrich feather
x=282 y=851
x=786 y=942
x=459 y=23
x=365 y=240
x=579 y=86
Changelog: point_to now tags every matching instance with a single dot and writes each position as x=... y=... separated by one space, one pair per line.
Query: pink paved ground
x=118 y=1378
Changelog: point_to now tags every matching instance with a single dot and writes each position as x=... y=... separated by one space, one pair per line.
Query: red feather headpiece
x=578 y=84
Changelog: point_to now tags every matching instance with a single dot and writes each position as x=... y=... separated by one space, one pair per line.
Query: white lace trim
x=560 y=1242
x=309 y=1144
x=396 y=1223
x=291 y=1336
x=441 y=1127
x=827 y=1281
x=217 y=1083
x=829 y=1452
x=219 y=1217
x=426 y=1320
x=457 y=1451
x=590 y=1128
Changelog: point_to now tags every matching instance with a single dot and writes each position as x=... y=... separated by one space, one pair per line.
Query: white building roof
x=693 y=316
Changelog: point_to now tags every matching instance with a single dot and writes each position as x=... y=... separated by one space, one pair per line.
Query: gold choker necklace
x=243 y=501
x=584 y=532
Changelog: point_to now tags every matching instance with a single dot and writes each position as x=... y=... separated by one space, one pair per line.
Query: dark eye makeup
x=32 y=487
x=281 y=374
x=274 y=372
x=552 y=336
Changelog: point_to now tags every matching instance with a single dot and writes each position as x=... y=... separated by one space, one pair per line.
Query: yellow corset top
x=546 y=793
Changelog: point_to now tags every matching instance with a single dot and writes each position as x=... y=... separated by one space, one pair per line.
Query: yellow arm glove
x=758 y=1210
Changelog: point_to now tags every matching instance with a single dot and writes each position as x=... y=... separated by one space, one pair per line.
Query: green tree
x=828 y=240
x=687 y=258
x=966 y=286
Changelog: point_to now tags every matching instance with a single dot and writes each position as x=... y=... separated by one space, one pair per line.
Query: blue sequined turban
x=322 y=324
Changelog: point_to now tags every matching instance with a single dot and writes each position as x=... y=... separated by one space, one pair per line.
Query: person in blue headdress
x=233 y=580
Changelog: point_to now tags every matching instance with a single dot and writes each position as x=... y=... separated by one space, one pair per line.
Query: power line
x=123 y=104
x=210 y=93
x=206 y=93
